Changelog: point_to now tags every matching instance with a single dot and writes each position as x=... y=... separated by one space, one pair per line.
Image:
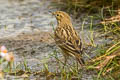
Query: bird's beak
x=51 y=12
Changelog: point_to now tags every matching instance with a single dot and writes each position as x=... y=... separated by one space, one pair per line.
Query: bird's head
x=61 y=16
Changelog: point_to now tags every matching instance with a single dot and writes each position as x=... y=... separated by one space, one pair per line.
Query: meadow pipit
x=67 y=38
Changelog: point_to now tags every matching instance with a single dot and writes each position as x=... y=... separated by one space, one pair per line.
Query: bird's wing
x=67 y=40
x=70 y=47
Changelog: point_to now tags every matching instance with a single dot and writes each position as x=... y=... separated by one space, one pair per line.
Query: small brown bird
x=67 y=38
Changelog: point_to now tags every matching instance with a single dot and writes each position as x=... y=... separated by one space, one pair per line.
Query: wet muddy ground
x=25 y=30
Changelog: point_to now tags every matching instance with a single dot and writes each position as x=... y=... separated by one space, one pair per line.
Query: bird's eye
x=57 y=15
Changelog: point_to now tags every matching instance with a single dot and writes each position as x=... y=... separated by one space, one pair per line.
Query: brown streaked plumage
x=67 y=38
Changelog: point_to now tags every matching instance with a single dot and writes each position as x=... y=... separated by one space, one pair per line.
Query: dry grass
x=107 y=63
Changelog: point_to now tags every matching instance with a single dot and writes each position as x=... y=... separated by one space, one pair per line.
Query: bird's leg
x=65 y=60
x=77 y=63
